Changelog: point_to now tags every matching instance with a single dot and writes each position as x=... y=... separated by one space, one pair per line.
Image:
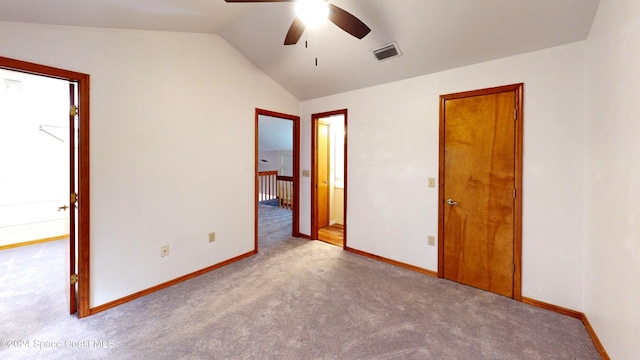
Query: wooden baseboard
x=33 y=242
x=153 y=289
x=574 y=314
x=304 y=236
x=392 y=262
x=595 y=339
x=554 y=308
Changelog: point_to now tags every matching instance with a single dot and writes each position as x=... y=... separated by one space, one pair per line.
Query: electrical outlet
x=212 y=237
x=306 y=173
x=432 y=182
x=431 y=240
x=164 y=251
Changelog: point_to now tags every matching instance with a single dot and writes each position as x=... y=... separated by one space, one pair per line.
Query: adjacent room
x=169 y=250
x=275 y=161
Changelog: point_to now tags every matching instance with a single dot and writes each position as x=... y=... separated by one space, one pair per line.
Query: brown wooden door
x=73 y=294
x=321 y=163
x=478 y=190
x=322 y=172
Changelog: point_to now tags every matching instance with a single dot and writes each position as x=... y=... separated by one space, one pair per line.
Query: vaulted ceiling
x=433 y=35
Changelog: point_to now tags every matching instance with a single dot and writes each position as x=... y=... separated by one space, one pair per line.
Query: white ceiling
x=434 y=35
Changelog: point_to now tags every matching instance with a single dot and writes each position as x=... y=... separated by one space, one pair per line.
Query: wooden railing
x=274 y=186
x=285 y=191
x=267 y=189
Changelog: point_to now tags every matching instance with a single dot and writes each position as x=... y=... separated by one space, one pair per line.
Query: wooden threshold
x=33 y=242
x=332 y=234
x=158 y=287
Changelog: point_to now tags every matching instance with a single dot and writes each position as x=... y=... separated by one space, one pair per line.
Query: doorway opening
x=480 y=193
x=329 y=177
x=277 y=171
x=35 y=177
x=77 y=103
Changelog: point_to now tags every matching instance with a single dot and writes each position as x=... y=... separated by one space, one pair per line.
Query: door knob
x=452 y=203
x=326 y=182
x=63 y=208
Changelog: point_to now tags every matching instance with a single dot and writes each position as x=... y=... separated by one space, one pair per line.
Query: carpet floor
x=295 y=299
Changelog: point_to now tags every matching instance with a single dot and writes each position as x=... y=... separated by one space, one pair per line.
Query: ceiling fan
x=338 y=16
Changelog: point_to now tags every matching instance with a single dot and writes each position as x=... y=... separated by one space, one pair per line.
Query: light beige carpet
x=296 y=299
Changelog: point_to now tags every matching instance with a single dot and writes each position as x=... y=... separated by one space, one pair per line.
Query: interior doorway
x=329 y=177
x=34 y=143
x=480 y=206
x=39 y=159
x=77 y=108
x=277 y=166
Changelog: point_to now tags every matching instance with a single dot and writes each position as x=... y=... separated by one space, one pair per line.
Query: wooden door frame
x=314 y=163
x=518 y=148
x=295 y=231
x=82 y=237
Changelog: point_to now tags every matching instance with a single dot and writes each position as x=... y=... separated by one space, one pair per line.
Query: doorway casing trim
x=315 y=118
x=295 y=231
x=83 y=167
x=518 y=148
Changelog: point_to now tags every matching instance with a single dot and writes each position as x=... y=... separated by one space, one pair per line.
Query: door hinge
x=73 y=111
x=74 y=279
x=514 y=193
x=74 y=198
x=515 y=114
x=514 y=268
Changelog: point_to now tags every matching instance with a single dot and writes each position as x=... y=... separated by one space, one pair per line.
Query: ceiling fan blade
x=295 y=32
x=253 y=1
x=348 y=22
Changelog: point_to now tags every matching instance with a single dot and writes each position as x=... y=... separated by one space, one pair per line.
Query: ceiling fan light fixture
x=312 y=12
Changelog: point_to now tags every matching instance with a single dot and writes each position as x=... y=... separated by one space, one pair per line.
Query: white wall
x=337 y=206
x=393 y=149
x=336 y=169
x=172 y=146
x=613 y=178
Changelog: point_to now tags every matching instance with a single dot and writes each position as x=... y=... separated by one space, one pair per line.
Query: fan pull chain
x=316 y=48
